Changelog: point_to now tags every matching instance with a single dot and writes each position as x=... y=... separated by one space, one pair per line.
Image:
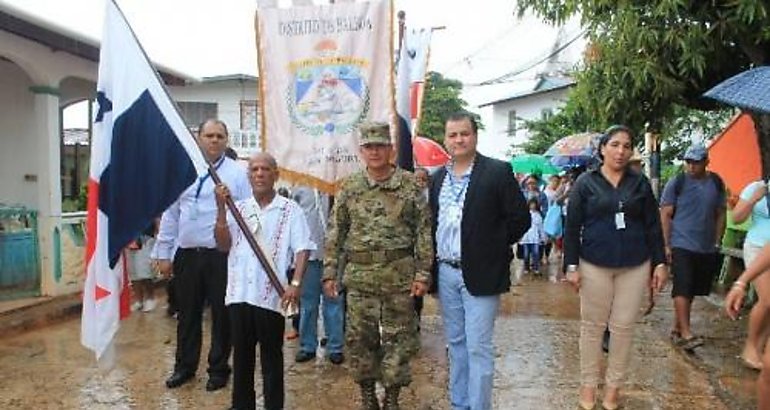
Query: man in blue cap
x=692 y=213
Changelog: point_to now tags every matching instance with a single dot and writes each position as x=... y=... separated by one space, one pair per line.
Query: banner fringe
x=298 y=178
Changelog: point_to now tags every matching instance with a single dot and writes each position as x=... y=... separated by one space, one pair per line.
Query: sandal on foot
x=691 y=343
x=610 y=406
x=586 y=405
x=675 y=337
x=750 y=363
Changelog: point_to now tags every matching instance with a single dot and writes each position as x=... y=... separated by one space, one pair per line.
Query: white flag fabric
x=264 y=4
x=142 y=158
x=323 y=71
x=412 y=66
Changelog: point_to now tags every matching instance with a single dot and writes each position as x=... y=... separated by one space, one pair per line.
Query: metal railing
x=245 y=142
x=19 y=250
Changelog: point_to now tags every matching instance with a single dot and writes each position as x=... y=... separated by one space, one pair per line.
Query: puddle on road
x=536 y=368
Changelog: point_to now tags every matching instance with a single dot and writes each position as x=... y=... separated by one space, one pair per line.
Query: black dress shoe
x=178 y=378
x=336 y=358
x=302 y=357
x=216 y=383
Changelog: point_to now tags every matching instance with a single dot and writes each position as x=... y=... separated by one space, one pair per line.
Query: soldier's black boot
x=369 y=396
x=391 y=398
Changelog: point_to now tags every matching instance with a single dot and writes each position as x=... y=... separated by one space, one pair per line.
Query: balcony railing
x=245 y=142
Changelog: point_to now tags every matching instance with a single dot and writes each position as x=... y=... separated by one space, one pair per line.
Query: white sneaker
x=136 y=306
x=149 y=305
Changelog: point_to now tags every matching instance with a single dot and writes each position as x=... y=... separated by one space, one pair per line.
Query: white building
x=230 y=98
x=509 y=114
x=43 y=69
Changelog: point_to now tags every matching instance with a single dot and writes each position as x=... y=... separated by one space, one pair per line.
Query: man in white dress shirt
x=199 y=269
x=256 y=310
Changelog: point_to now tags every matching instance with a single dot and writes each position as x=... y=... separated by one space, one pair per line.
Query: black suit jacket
x=495 y=216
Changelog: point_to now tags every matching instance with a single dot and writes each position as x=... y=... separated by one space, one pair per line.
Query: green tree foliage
x=647 y=58
x=680 y=128
x=441 y=98
x=549 y=128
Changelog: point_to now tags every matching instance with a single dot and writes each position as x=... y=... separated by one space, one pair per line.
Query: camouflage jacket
x=373 y=216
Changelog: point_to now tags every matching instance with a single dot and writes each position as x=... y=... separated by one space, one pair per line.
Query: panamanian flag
x=410 y=83
x=142 y=158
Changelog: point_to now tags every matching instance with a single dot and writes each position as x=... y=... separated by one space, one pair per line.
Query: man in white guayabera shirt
x=255 y=308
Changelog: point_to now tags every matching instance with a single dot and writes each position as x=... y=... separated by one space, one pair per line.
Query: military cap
x=374 y=133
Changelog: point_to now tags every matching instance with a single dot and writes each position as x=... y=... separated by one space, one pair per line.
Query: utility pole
x=652 y=153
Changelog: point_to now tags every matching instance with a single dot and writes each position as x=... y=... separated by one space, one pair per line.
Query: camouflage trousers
x=381 y=337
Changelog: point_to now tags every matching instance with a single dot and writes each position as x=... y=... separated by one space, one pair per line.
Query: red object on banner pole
x=428 y=153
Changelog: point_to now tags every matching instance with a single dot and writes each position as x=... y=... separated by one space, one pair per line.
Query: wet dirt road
x=536 y=368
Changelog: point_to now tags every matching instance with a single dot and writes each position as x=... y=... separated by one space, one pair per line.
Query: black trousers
x=200 y=275
x=171 y=297
x=253 y=325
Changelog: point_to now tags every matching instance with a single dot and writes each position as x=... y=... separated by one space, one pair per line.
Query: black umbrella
x=748 y=90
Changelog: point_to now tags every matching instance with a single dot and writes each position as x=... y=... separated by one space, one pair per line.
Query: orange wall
x=734 y=155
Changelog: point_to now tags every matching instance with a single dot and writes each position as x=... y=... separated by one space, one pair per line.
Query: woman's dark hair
x=533 y=201
x=609 y=133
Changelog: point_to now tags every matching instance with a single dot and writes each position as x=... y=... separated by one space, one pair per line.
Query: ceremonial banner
x=322 y=71
x=142 y=158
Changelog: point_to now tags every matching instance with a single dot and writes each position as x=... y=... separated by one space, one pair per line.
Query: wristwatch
x=295 y=283
x=572 y=268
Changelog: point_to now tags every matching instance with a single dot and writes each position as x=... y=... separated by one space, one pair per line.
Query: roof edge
x=528 y=94
x=33 y=28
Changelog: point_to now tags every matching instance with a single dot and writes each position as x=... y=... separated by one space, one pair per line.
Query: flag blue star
x=105 y=105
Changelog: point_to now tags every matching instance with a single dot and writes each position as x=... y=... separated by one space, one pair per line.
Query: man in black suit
x=478 y=213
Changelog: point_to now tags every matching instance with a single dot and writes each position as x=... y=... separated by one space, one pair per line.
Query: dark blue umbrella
x=748 y=90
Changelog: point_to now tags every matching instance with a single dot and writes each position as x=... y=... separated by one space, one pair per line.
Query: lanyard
x=464 y=180
x=203 y=179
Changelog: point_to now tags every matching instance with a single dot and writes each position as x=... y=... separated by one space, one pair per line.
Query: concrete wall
x=20 y=144
x=35 y=83
x=529 y=108
x=227 y=94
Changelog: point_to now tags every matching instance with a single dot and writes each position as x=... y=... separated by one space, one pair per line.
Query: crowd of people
x=366 y=257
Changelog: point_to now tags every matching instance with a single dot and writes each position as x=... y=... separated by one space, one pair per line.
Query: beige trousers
x=614 y=296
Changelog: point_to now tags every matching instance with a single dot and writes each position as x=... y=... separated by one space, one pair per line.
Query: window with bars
x=195 y=112
x=249 y=115
x=512 y=122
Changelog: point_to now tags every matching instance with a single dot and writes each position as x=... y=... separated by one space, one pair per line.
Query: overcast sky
x=208 y=37
x=216 y=37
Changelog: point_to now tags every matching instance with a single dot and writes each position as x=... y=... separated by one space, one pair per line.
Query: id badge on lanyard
x=620 y=217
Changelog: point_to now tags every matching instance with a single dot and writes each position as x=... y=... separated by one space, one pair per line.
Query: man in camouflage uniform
x=379 y=241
